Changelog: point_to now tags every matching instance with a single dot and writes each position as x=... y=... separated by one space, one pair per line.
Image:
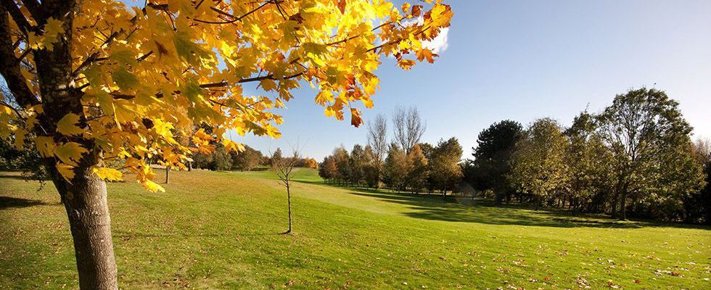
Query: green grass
x=221 y=230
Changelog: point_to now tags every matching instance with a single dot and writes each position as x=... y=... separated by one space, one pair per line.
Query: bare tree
x=409 y=127
x=377 y=138
x=702 y=148
x=283 y=167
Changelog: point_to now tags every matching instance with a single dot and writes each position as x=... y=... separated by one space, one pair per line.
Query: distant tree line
x=402 y=164
x=29 y=162
x=244 y=160
x=636 y=158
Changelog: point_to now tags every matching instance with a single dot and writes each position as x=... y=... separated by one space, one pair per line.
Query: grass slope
x=221 y=230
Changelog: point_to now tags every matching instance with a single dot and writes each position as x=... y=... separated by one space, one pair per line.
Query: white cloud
x=439 y=44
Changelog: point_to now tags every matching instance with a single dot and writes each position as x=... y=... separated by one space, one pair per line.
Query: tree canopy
x=539 y=161
x=652 y=150
x=492 y=157
x=128 y=78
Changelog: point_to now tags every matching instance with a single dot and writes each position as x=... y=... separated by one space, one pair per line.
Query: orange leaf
x=355 y=117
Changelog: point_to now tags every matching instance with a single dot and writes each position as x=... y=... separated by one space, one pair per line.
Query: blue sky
x=522 y=60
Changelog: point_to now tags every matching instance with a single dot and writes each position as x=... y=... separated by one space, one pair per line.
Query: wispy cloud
x=439 y=44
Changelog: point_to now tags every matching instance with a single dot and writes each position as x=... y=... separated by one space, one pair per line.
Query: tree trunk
x=288 y=199
x=623 y=206
x=613 y=212
x=538 y=201
x=167 y=170
x=444 y=192
x=85 y=202
x=623 y=201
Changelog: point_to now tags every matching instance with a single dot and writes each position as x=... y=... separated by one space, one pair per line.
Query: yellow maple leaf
x=68 y=125
x=66 y=171
x=52 y=31
x=232 y=146
x=268 y=85
x=406 y=64
x=427 y=54
x=108 y=173
x=70 y=153
x=152 y=186
x=45 y=146
x=20 y=139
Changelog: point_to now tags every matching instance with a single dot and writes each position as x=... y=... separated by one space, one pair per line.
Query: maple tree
x=92 y=81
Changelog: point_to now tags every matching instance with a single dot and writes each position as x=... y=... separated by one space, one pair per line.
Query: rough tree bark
x=85 y=202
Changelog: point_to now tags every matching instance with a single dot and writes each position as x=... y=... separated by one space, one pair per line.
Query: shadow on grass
x=435 y=207
x=13 y=202
x=128 y=235
x=16 y=177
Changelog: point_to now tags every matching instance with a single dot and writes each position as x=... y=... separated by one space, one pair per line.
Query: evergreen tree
x=492 y=158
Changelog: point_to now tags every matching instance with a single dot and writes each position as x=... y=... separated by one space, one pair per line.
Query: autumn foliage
x=146 y=74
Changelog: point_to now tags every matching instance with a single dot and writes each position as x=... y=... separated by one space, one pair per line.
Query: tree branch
x=252 y=79
x=234 y=18
x=35 y=10
x=359 y=35
x=17 y=16
x=95 y=55
x=10 y=69
x=19 y=115
x=269 y=76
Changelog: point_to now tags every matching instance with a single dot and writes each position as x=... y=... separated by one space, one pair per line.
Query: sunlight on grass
x=221 y=229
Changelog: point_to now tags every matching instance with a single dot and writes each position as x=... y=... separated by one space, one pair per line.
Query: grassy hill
x=221 y=230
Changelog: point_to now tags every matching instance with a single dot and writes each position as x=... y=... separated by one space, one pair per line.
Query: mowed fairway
x=221 y=230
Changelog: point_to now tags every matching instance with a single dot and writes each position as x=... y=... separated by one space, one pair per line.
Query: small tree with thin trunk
x=284 y=168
